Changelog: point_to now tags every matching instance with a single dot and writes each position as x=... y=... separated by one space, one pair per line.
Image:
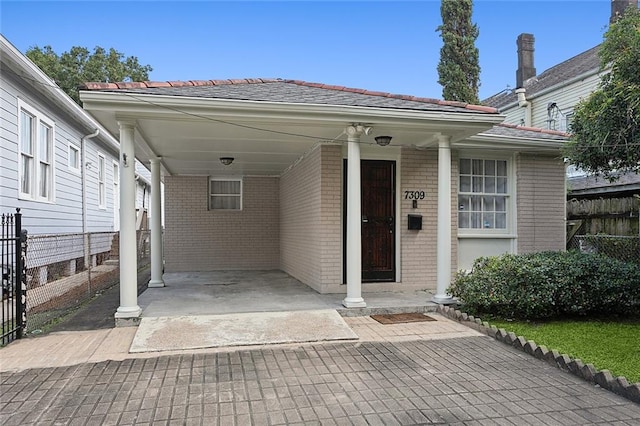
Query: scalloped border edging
x=588 y=372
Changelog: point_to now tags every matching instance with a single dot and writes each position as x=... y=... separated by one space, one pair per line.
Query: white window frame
x=510 y=198
x=567 y=118
x=212 y=195
x=71 y=149
x=102 y=181
x=36 y=161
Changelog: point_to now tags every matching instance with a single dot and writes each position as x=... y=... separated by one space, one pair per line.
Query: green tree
x=77 y=66
x=605 y=128
x=458 y=69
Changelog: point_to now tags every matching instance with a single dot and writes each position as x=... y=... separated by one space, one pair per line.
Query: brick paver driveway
x=470 y=380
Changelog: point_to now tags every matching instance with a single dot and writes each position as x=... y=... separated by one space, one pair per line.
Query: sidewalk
x=66 y=348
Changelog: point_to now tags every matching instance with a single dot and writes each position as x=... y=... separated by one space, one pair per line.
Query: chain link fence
x=66 y=270
x=623 y=248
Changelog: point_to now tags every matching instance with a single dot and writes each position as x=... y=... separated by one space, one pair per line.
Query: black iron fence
x=624 y=248
x=12 y=261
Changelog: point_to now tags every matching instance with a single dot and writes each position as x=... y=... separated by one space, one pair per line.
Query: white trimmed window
x=74 y=158
x=225 y=194
x=102 y=195
x=36 y=136
x=483 y=193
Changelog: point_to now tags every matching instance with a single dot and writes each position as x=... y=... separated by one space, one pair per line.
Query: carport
x=195 y=132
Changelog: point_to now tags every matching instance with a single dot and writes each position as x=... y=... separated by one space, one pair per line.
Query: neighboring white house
x=547 y=100
x=58 y=165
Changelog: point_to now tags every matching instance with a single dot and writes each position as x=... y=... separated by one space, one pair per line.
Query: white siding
x=64 y=215
x=565 y=97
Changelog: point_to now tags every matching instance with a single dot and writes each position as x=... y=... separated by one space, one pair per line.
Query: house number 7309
x=414 y=195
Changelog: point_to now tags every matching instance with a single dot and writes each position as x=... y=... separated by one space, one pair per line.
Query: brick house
x=344 y=189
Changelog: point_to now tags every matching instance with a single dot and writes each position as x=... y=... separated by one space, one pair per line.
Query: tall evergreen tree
x=458 y=69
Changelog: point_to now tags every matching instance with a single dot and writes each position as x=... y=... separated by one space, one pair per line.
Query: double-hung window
x=483 y=193
x=225 y=194
x=36 y=136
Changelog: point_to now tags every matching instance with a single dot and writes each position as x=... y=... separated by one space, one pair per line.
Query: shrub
x=549 y=284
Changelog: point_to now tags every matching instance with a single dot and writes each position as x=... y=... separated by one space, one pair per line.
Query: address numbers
x=414 y=195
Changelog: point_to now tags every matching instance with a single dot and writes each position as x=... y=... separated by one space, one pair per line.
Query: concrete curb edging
x=588 y=372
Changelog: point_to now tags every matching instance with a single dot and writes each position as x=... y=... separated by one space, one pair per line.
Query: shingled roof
x=287 y=91
x=574 y=67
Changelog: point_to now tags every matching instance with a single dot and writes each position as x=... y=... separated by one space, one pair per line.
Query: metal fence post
x=90 y=264
x=21 y=277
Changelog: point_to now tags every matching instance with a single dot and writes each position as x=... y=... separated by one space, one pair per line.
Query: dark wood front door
x=378 y=220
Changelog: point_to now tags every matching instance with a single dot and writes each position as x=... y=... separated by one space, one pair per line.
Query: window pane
x=501 y=204
x=45 y=147
x=477 y=184
x=487 y=220
x=501 y=220
x=465 y=183
x=74 y=157
x=476 y=204
x=463 y=203
x=463 y=220
x=487 y=204
x=225 y=203
x=44 y=180
x=26 y=132
x=225 y=187
x=501 y=185
x=101 y=169
x=490 y=184
x=502 y=168
x=475 y=220
x=490 y=167
x=477 y=167
x=25 y=184
x=465 y=167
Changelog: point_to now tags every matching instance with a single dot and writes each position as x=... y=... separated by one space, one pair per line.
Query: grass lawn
x=614 y=346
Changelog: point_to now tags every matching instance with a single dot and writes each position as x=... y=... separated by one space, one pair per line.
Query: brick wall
x=541 y=203
x=300 y=220
x=331 y=216
x=198 y=239
x=419 y=172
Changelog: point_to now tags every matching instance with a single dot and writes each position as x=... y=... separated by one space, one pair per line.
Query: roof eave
x=512 y=142
x=141 y=104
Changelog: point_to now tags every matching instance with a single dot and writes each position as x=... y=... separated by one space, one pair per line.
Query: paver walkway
x=392 y=377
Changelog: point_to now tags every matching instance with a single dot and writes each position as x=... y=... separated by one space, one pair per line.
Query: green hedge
x=549 y=284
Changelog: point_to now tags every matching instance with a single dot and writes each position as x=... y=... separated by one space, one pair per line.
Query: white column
x=444 y=222
x=156 y=226
x=354 y=219
x=128 y=312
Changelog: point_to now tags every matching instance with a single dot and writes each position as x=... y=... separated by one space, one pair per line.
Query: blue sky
x=389 y=46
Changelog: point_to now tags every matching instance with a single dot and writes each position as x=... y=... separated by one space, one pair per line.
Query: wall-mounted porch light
x=226 y=160
x=383 y=140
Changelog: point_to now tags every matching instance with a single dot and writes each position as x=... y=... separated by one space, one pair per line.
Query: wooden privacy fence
x=611 y=216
